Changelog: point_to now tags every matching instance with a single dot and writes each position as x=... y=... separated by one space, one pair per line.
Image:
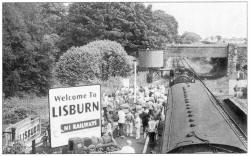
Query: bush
x=76 y=65
x=18 y=147
x=114 y=60
x=97 y=60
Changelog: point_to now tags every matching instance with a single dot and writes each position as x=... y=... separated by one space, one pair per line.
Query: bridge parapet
x=199 y=50
x=236 y=54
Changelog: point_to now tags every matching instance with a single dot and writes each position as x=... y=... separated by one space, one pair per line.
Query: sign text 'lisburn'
x=29 y=133
x=79 y=108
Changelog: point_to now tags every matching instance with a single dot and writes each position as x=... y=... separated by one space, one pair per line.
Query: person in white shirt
x=129 y=123
x=137 y=126
x=109 y=130
x=128 y=148
x=152 y=126
x=121 y=122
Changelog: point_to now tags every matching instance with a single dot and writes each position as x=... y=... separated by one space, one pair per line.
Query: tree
x=35 y=35
x=162 y=29
x=54 y=17
x=190 y=37
x=27 y=56
x=132 y=25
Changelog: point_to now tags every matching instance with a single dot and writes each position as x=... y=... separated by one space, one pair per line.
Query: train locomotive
x=194 y=123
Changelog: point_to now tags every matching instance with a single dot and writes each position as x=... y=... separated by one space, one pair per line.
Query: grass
x=15 y=108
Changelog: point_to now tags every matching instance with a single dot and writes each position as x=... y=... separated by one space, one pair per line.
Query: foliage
x=189 y=37
x=165 y=29
x=113 y=60
x=133 y=25
x=76 y=65
x=16 y=148
x=54 y=16
x=96 y=60
x=15 y=109
x=35 y=35
x=219 y=66
x=27 y=55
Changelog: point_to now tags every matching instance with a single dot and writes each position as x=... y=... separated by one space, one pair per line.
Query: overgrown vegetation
x=17 y=148
x=16 y=109
x=96 y=60
x=189 y=38
x=28 y=48
x=36 y=35
x=133 y=25
x=219 y=66
x=76 y=65
x=112 y=59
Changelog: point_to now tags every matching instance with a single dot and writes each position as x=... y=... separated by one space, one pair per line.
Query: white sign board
x=27 y=129
x=74 y=112
x=125 y=83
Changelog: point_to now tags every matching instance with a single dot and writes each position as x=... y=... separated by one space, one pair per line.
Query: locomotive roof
x=194 y=119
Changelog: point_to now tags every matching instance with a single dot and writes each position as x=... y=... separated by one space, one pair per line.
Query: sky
x=228 y=19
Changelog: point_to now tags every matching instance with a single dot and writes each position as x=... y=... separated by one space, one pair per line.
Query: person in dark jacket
x=145 y=118
x=115 y=118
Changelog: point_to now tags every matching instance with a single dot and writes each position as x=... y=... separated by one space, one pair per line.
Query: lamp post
x=134 y=80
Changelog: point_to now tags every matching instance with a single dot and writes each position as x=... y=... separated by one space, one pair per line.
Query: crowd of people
x=124 y=117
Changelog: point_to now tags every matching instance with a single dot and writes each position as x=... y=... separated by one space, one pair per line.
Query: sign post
x=135 y=81
x=33 y=146
x=74 y=112
x=13 y=134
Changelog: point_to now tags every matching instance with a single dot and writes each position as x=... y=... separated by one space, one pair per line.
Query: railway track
x=234 y=126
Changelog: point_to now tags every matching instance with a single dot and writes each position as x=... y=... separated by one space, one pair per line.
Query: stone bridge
x=196 y=50
x=235 y=53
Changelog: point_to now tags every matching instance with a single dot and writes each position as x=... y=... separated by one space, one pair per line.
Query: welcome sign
x=26 y=130
x=74 y=112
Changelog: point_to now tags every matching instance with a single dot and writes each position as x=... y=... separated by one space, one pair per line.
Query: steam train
x=194 y=122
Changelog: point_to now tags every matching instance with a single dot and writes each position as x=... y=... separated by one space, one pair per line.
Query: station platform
x=240 y=104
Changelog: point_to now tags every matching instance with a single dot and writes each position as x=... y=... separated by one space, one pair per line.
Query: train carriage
x=195 y=123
